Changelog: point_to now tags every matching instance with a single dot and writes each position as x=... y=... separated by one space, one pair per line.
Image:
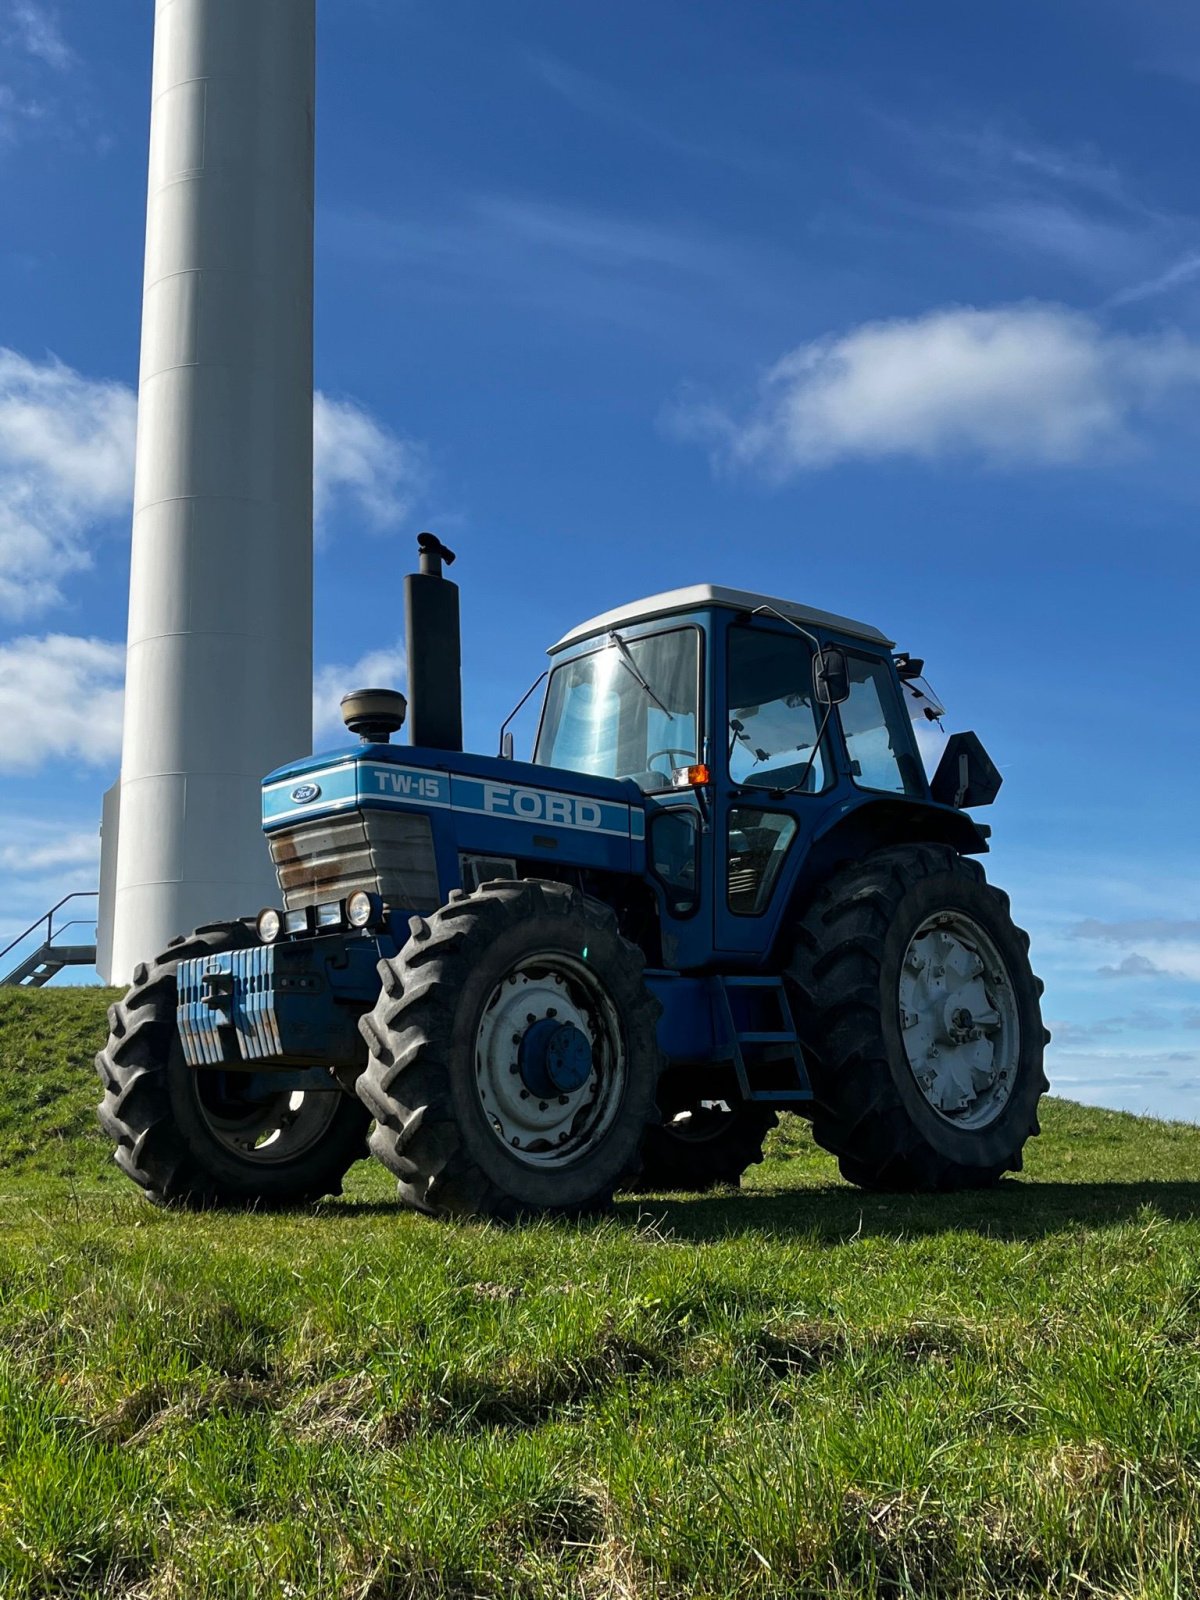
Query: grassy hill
x=798 y=1390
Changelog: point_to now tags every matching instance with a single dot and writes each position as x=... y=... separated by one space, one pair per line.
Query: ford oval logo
x=303 y=792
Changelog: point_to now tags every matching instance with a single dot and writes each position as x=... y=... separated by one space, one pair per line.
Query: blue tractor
x=722 y=888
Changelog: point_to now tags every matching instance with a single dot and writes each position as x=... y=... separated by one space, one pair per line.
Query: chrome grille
x=390 y=852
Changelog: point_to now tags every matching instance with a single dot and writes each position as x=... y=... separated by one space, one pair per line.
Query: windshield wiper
x=627 y=658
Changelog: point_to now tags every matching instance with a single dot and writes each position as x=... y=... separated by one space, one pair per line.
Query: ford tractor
x=722 y=888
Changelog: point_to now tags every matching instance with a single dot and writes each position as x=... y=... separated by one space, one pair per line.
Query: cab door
x=775 y=770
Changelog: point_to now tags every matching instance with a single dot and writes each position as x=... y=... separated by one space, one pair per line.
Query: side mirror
x=831 y=678
x=506 y=746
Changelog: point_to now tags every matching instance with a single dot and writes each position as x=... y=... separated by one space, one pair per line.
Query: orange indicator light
x=691 y=777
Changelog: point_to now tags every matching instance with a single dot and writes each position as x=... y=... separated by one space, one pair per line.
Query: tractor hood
x=523 y=809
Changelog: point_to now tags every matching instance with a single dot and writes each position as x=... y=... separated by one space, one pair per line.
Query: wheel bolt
x=514 y=1069
x=529 y=1017
x=562 y=1099
x=551 y=1011
x=516 y=1038
x=543 y=1105
x=524 y=1094
x=562 y=1138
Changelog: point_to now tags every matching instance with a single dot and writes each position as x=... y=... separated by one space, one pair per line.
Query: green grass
x=798 y=1390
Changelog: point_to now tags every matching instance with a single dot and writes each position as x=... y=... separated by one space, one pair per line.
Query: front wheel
x=912 y=986
x=199 y=1137
x=513 y=1055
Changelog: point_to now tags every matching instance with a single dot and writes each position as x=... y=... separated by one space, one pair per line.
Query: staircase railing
x=48 y=919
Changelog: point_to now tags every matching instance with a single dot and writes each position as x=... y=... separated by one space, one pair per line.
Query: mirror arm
x=520 y=703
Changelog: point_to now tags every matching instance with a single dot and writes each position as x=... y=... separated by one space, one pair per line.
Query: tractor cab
x=755 y=729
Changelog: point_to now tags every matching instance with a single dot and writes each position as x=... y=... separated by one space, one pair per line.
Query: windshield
x=628 y=710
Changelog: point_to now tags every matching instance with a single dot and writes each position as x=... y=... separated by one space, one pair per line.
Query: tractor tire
x=912 y=989
x=186 y=1136
x=701 y=1146
x=465 y=1116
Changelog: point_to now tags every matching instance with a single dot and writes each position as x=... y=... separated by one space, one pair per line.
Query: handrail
x=48 y=918
x=75 y=922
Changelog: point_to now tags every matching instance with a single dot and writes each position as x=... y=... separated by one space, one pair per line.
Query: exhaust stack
x=433 y=634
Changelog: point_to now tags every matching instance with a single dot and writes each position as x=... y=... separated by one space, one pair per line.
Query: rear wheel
x=513 y=1055
x=921 y=1013
x=199 y=1138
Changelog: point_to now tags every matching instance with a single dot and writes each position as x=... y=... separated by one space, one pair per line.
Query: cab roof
x=699 y=595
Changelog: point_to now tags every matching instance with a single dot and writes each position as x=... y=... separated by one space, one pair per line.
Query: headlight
x=330 y=914
x=269 y=925
x=299 y=921
x=363 y=908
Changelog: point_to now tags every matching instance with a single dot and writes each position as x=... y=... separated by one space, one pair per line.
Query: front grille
x=390 y=852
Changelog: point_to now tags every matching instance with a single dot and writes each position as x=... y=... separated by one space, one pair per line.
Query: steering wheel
x=670 y=750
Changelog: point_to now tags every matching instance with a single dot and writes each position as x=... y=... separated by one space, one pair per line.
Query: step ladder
x=760 y=1052
x=49 y=958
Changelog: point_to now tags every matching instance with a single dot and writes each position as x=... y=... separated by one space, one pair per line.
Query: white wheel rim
x=959 y=1021
x=554 y=1129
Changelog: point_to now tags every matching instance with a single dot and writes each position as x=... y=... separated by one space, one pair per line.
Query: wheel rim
x=958 y=1020
x=268 y=1131
x=542 y=1122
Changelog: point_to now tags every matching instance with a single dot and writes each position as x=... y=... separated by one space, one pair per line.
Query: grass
x=798 y=1390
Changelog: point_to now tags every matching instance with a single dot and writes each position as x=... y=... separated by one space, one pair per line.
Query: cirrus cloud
x=1030 y=385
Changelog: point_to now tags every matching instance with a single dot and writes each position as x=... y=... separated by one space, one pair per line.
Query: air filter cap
x=374 y=714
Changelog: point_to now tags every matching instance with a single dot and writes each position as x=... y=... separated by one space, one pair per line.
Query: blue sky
x=891 y=309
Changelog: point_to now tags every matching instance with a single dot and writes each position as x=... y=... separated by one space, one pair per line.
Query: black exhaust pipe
x=434 y=639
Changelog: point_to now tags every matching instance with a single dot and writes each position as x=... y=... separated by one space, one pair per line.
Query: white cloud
x=1134 y=965
x=60 y=696
x=66 y=469
x=66 y=465
x=36 y=31
x=1033 y=384
x=34 y=845
x=361 y=465
x=378 y=669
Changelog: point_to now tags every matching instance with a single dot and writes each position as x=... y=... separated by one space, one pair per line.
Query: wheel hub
x=547 y=1063
x=958 y=1020
x=554 y=1057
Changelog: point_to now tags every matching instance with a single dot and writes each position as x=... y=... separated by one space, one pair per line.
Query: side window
x=877 y=732
x=674 y=854
x=772 y=720
x=758 y=842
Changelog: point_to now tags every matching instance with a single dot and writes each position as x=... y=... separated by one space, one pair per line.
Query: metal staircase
x=47 y=958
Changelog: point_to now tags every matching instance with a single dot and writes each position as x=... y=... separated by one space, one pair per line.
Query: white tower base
x=219 y=677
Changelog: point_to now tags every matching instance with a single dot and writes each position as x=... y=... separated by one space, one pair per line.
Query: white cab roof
x=698 y=595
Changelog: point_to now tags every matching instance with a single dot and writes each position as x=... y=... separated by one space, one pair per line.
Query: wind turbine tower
x=219 y=674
